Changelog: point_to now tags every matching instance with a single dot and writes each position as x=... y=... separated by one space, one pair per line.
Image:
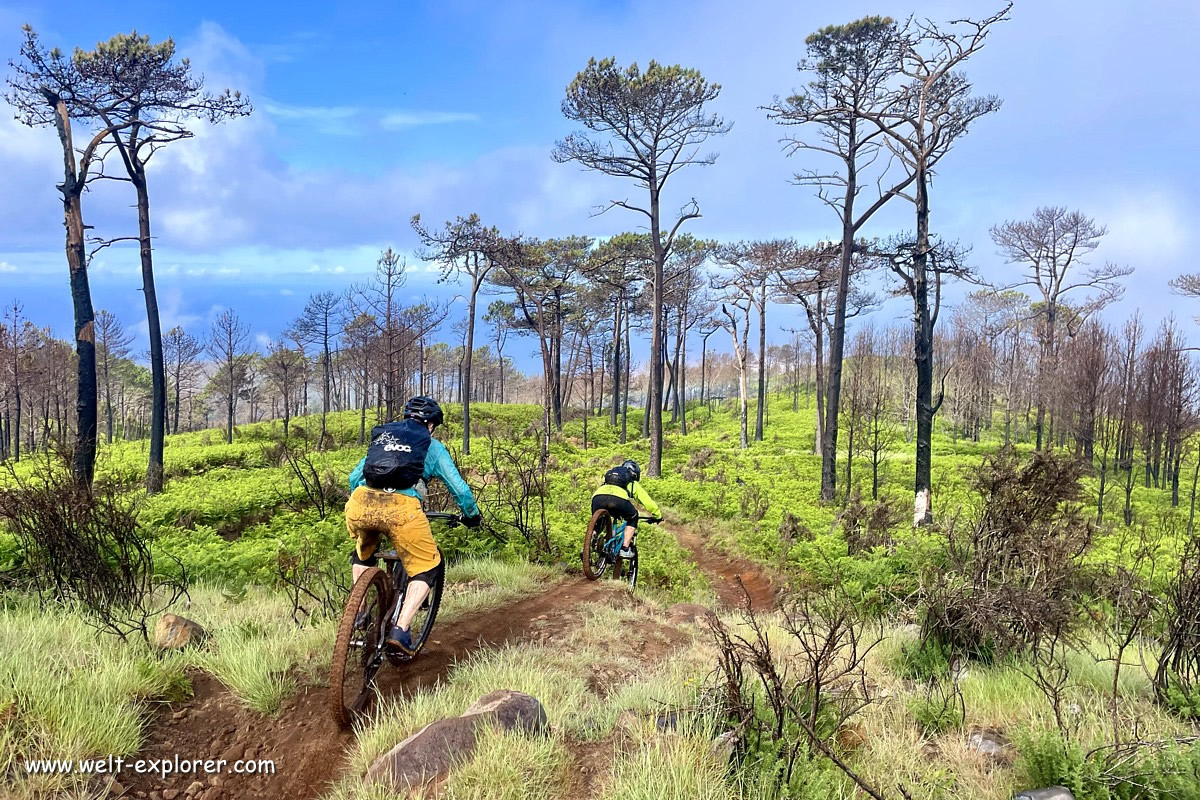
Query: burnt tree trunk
x=83 y=464
x=158 y=376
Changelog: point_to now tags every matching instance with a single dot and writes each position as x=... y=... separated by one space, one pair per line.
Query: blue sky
x=368 y=113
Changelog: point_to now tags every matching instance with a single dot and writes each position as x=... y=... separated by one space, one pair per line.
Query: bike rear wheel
x=599 y=531
x=356 y=652
x=633 y=570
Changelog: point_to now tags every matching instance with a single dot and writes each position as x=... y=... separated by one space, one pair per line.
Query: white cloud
x=264 y=340
x=1145 y=227
x=7 y=267
x=399 y=120
x=285 y=111
x=331 y=120
x=286 y=292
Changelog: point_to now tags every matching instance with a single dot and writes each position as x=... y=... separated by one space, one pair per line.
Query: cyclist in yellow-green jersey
x=621 y=487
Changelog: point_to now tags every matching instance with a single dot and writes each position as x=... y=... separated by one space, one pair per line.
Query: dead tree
x=317 y=326
x=854 y=69
x=463 y=246
x=181 y=351
x=657 y=121
x=930 y=112
x=42 y=90
x=917 y=266
x=112 y=344
x=145 y=99
x=1051 y=247
x=227 y=346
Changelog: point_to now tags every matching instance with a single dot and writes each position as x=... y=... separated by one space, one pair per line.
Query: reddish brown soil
x=308 y=749
x=306 y=746
x=737 y=582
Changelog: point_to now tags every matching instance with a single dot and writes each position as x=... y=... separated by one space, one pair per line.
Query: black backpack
x=396 y=456
x=619 y=476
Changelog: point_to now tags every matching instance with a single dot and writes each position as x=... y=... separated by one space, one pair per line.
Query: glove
x=473 y=522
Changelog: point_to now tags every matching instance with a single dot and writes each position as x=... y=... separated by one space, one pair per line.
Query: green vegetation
x=230 y=527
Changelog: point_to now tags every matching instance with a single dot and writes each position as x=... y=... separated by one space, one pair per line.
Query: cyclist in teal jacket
x=398 y=514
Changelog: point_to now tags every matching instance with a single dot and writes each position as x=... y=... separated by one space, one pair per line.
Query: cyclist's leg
x=363 y=523
x=627 y=512
x=413 y=539
x=619 y=508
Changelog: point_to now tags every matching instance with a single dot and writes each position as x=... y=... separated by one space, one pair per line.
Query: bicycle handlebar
x=454 y=519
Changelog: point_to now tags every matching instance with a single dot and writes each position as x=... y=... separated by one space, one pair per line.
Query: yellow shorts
x=373 y=513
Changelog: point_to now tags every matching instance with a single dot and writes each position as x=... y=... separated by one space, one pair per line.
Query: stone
x=170 y=794
x=180 y=714
x=723 y=746
x=175 y=633
x=194 y=788
x=991 y=743
x=433 y=750
x=511 y=711
x=232 y=753
x=115 y=788
x=1050 y=793
x=687 y=613
x=668 y=721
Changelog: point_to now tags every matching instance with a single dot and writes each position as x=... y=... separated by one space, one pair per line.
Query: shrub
x=789 y=709
x=1016 y=574
x=754 y=502
x=791 y=529
x=941 y=709
x=85 y=546
x=924 y=660
x=1177 y=678
x=1138 y=771
x=868 y=525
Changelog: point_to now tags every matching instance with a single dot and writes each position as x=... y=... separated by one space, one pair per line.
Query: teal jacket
x=438 y=464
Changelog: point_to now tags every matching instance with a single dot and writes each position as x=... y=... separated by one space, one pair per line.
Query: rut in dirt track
x=737 y=582
x=307 y=748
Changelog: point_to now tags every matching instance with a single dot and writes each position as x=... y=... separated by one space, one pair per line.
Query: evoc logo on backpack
x=390 y=444
x=396 y=457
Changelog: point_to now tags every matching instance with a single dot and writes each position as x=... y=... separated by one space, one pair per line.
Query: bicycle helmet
x=633 y=467
x=424 y=409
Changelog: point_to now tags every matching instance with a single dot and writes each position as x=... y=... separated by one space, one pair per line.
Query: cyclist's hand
x=654 y=520
x=473 y=522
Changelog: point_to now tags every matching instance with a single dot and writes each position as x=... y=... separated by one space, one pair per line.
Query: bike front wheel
x=356 y=652
x=599 y=531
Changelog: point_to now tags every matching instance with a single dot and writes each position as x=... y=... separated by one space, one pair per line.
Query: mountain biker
x=621 y=487
x=387 y=488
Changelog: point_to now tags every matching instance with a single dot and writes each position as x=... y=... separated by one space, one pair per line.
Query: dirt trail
x=307 y=748
x=724 y=572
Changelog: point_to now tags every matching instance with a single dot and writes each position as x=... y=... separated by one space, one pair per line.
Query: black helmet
x=424 y=409
x=633 y=467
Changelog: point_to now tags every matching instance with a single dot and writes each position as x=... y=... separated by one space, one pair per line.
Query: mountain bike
x=602 y=547
x=373 y=607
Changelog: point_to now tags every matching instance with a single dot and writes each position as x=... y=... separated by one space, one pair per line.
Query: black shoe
x=401 y=640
